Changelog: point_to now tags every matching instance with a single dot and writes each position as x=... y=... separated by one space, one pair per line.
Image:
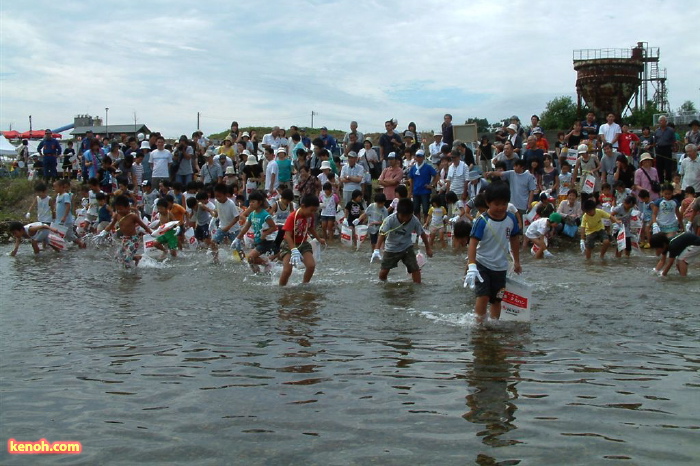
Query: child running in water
x=258 y=219
x=492 y=234
x=126 y=221
x=396 y=232
x=296 y=248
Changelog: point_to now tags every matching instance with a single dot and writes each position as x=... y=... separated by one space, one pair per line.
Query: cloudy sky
x=274 y=62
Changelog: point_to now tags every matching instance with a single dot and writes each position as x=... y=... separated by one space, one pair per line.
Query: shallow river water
x=188 y=362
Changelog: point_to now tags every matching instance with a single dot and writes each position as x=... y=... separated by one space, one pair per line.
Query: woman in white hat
x=588 y=164
x=252 y=173
x=646 y=176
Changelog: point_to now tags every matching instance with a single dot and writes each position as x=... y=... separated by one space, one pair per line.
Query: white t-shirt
x=274 y=142
x=226 y=212
x=609 y=132
x=272 y=169
x=160 y=161
x=537 y=229
x=457 y=175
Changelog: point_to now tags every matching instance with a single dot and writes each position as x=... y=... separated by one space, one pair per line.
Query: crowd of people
x=278 y=194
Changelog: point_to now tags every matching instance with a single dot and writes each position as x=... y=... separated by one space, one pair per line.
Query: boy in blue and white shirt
x=491 y=236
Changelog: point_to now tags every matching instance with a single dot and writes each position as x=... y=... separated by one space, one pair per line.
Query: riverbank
x=15 y=199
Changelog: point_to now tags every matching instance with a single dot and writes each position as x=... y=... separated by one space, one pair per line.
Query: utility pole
x=312 y=118
x=30 y=123
x=197 y=121
x=107 y=121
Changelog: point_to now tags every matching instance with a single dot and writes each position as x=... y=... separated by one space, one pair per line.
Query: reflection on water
x=492 y=377
x=187 y=362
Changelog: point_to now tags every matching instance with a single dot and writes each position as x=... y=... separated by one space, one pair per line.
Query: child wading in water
x=258 y=219
x=396 y=232
x=37 y=232
x=488 y=251
x=126 y=221
x=296 y=248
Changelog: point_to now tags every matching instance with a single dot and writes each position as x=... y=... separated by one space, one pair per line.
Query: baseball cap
x=420 y=153
x=392 y=155
x=555 y=217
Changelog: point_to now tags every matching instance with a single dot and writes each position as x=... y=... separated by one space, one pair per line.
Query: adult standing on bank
x=665 y=138
x=51 y=150
x=160 y=160
x=351 y=175
x=423 y=179
x=610 y=131
x=448 y=135
x=690 y=168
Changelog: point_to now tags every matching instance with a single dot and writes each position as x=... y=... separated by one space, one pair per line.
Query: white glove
x=583 y=245
x=655 y=228
x=454 y=219
x=27 y=215
x=472 y=276
x=295 y=257
x=375 y=255
x=356 y=222
x=236 y=244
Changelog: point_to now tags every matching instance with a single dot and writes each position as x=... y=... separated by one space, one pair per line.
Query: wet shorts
x=494 y=284
x=303 y=249
x=668 y=229
x=690 y=255
x=593 y=238
x=201 y=232
x=267 y=246
x=221 y=235
x=390 y=260
x=168 y=238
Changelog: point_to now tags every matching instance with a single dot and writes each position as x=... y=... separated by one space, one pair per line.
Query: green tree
x=560 y=113
x=688 y=106
x=640 y=118
x=482 y=124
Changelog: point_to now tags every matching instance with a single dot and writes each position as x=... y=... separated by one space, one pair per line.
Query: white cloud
x=275 y=62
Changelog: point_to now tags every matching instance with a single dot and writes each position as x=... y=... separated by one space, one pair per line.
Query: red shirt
x=623 y=142
x=300 y=227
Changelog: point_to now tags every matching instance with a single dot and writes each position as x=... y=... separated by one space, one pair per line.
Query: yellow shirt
x=593 y=223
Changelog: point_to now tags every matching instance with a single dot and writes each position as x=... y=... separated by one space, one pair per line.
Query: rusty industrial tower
x=617 y=80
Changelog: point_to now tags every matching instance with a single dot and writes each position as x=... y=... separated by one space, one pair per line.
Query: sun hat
x=245 y=133
x=229 y=139
x=555 y=217
x=325 y=165
x=352 y=153
x=246 y=152
x=513 y=127
x=438 y=133
x=645 y=156
x=251 y=160
x=281 y=150
x=145 y=145
x=230 y=171
x=474 y=175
